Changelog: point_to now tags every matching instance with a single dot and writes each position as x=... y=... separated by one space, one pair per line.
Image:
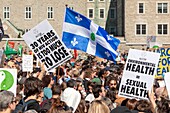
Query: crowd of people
x=83 y=86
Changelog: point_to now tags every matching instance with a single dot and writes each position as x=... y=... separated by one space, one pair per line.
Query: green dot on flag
x=93 y=36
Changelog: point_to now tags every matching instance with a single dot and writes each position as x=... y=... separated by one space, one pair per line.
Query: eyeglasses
x=112 y=84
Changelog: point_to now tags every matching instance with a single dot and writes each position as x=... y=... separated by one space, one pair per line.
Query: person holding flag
x=80 y=33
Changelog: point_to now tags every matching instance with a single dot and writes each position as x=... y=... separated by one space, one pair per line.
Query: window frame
x=138 y=12
x=103 y=12
x=112 y=27
x=162 y=7
x=90 y=1
x=6 y=13
x=140 y=29
x=89 y=13
x=29 y=12
x=51 y=12
x=162 y=29
x=114 y=13
x=101 y=1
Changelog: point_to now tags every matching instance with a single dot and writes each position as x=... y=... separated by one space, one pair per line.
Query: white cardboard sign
x=138 y=74
x=46 y=45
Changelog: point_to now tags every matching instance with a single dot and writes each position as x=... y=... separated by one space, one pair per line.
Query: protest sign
x=150 y=39
x=27 y=63
x=138 y=74
x=167 y=82
x=46 y=45
x=8 y=79
x=164 y=62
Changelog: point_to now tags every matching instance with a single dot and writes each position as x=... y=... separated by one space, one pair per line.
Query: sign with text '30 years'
x=138 y=74
x=46 y=45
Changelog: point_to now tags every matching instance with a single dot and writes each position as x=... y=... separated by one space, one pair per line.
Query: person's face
x=112 y=84
x=12 y=105
x=80 y=87
x=52 y=81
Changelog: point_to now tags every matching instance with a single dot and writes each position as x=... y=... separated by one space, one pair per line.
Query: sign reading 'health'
x=138 y=74
x=46 y=45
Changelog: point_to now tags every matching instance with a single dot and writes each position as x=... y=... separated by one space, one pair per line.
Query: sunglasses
x=112 y=84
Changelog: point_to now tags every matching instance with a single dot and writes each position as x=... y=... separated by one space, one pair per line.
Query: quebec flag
x=82 y=34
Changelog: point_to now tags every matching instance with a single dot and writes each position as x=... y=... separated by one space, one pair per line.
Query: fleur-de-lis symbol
x=107 y=53
x=108 y=37
x=78 y=18
x=74 y=42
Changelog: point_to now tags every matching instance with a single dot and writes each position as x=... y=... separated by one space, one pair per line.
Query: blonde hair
x=98 y=106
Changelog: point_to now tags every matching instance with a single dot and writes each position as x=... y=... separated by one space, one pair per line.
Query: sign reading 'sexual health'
x=138 y=74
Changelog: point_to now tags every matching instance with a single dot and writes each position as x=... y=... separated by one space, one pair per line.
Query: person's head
x=72 y=83
x=81 y=107
x=7 y=101
x=59 y=106
x=47 y=80
x=131 y=104
x=163 y=105
x=143 y=106
x=98 y=91
x=108 y=102
x=98 y=106
x=75 y=73
x=32 y=86
x=36 y=72
x=112 y=83
x=56 y=90
x=111 y=93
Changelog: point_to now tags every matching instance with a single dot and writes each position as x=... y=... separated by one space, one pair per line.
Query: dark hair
x=111 y=93
x=60 y=71
x=143 y=106
x=56 y=90
x=32 y=86
x=59 y=106
x=46 y=80
x=81 y=107
x=163 y=105
x=96 y=91
x=131 y=104
x=71 y=83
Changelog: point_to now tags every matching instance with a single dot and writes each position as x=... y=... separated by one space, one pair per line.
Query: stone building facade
x=146 y=18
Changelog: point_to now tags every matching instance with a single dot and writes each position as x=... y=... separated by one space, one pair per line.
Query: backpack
x=22 y=106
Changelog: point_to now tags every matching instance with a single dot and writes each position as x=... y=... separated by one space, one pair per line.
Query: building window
x=6 y=13
x=28 y=12
x=50 y=12
x=112 y=30
x=141 y=8
x=162 y=7
x=90 y=0
x=91 y=13
x=101 y=0
x=112 y=13
x=101 y=13
x=162 y=29
x=140 y=29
